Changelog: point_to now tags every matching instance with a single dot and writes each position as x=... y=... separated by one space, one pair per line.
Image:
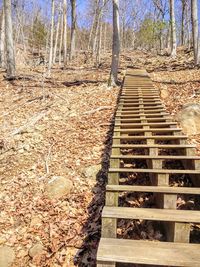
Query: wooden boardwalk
x=145 y=139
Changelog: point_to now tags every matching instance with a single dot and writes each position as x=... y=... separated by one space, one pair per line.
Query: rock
x=189 y=118
x=35 y=221
x=2 y=240
x=58 y=186
x=92 y=171
x=7 y=256
x=164 y=93
x=36 y=250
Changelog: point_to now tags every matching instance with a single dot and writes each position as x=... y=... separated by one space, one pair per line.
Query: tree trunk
x=51 y=36
x=183 y=22
x=2 y=40
x=188 y=24
x=105 y=37
x=173 y=29
x=94 y=48
x=116 y=45
x=10 y=55
x=195 y=31
x=61 y=39
x=73 y=29
x=92 y=26
x=65 y=32
x=98 y=58
x=57 y=33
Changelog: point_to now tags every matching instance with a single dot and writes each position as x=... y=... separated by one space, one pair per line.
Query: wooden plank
x=154 y=189
x=146 y=124
x=120 y=156
x=149 y=252
x=153 y=145
x=167 y=215
x=164 y=171
x=157 y=137
x=157 y=130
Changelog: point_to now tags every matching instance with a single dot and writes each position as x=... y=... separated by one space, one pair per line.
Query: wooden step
x=175 y=146
x=145 y=124
x=119 y=112
x=154 y=189
x=157 y=137
x=155 y=157
x=168 y=215
x=165 y=171
x=139 y=120
x=153 y=130
x=148 y=115
x=127 y=108
x=148 y=252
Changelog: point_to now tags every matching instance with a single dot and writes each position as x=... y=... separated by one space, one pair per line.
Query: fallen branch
x=30 y=123
x=97 y=109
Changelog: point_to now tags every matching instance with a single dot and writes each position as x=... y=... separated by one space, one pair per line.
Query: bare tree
x=57 y=33
x=183 y=2
x=116 y=45
x=195 y=31
x=73 y=29
x=10 y=55
x=65 y=32
x=61 y=39
x=173 y=29
x=51 y=36
x=2 y=40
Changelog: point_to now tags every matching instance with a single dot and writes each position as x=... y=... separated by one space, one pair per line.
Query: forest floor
x=62 y=127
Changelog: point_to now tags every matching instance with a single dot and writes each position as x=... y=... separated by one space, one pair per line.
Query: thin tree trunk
x=65 y=32
x=183 y=22
x=10 y=56
x=105 y=38
x=98 y=58
x=195 y=31
x=116 y=45
x=61 y=39
x=92 y=27
x=188 y=25
x=173 y=29
x=94 y=48
x=73 y=29
x=51 y=36
x=56 y=40
x=2 y=40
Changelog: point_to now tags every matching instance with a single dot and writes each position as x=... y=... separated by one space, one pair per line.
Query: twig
x=97 y=109
x=47 y=159
x=30 y=122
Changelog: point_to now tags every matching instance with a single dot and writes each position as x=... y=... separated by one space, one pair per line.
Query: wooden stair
x=113 y=250
x=141 y=122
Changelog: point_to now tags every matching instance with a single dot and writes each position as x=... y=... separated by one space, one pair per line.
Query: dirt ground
x=60 y=126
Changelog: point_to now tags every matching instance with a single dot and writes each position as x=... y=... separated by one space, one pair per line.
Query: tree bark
x=2 y=40
x=65 y=32
x=10 y=55
x=51 y=36
x=183 y=22
x=195 y=31
x=73 y=29
x=116 y=45
x=57 y=33
x=173 y=29
x=61 y=39
x=92 y=26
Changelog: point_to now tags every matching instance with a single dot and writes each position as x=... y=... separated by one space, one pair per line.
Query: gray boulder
x=189 y=118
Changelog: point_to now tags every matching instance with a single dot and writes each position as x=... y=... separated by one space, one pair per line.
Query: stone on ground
x=189 y=118
x=7 y=256
x=36 y=250
x=92 y=171
x=58 y=186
